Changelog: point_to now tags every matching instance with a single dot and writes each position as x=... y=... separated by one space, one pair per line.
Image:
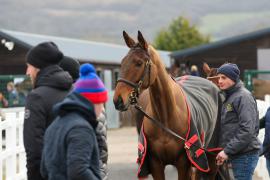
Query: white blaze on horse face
x=224 y=82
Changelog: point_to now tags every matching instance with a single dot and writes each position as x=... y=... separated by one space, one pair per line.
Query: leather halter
x=133 y=96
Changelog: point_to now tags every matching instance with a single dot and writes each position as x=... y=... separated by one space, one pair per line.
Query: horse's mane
x=163 y=77
x=156 y=59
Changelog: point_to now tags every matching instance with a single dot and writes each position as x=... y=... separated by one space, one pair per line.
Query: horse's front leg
x=157 y=169
x=183 y=167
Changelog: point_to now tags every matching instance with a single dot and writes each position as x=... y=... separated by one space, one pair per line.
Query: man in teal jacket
x=240 y=124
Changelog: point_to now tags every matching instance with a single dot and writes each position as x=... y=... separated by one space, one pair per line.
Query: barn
x=105 y=57
x=248 y=51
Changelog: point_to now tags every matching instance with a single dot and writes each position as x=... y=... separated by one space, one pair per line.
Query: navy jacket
x=266 y=142
x=239 y=122
x=70 y=146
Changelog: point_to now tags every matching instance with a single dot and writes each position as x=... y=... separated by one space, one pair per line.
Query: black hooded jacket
x=51 y=86
x=70 y=144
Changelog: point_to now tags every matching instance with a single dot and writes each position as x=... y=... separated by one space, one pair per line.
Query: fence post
x=11 y=145
x=1 y=145
x=20 y=147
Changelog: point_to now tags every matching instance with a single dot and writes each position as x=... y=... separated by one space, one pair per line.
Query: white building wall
x=263 y=63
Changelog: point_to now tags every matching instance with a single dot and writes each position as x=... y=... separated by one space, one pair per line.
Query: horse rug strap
x=143 y=162
x=202 y=98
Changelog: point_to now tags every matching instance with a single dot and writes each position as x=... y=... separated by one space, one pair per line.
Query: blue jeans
x=244 y=165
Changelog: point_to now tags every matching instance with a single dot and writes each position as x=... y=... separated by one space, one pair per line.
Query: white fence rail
x=12 y=153
x=261 y=170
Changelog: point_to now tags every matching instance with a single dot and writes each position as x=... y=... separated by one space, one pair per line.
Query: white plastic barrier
x=261 y=170
x=12 y=153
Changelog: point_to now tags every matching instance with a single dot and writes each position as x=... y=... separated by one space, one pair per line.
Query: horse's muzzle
x=119 y=104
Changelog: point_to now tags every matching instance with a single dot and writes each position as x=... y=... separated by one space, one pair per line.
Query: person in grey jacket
x=101 y=133
x=72 y=66
x=96 y=90
x=240 y=124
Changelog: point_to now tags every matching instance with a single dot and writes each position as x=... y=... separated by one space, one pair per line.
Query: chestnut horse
x=143 y=73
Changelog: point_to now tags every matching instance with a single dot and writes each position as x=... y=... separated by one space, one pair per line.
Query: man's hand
x=221 y=157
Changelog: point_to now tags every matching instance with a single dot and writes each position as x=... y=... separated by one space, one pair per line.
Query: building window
x=100 y=74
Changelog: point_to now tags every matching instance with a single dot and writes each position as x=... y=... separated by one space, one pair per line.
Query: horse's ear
x=206 y=69
x=129 y=41
x=142 y=41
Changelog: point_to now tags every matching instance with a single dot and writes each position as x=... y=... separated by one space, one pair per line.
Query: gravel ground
x=123 y=154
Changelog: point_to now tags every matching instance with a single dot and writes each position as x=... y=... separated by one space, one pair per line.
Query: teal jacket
x=239 y=122
x=70 y=146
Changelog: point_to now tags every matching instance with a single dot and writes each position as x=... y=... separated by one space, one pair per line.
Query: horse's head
x=211 y=73
x=137 y=72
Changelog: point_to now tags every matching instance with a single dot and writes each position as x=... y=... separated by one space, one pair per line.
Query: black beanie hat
x=230 y=70
x=72 y=66
x=43 y=55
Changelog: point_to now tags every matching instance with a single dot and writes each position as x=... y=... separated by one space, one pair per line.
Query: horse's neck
x=163 y=97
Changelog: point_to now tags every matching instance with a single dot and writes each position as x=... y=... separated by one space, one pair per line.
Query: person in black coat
x=50 y=85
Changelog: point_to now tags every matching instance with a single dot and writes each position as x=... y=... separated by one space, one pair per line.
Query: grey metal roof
x=82 y=49
x=221 y=43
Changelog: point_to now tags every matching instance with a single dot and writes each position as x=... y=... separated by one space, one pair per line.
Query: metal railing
x=249 y=75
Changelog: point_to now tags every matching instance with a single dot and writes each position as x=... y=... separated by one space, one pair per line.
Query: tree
x=179 y=35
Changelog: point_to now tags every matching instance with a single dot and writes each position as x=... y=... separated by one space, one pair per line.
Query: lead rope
x=160 y=125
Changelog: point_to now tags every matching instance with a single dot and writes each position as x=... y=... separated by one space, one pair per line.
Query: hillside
x=104 y=20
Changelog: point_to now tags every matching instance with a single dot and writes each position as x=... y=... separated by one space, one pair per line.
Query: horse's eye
x=138 y=63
